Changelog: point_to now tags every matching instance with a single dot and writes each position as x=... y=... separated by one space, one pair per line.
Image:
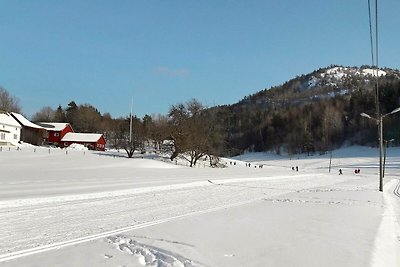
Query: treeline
x=187 y=131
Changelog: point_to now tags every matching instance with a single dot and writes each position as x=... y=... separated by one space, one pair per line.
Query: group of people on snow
x=356 y=171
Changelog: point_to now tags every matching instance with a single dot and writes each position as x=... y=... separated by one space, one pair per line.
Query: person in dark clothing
x=340 y=172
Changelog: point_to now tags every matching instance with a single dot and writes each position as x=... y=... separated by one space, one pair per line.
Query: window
x=56 y=134
x=15 y=136
x=2 y=136
x=65 y=144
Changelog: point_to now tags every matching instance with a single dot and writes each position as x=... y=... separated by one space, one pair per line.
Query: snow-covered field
x=84 y=208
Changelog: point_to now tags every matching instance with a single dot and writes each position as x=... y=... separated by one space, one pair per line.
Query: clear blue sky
x=166 y=52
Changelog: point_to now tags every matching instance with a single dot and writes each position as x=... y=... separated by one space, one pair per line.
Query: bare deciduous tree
x=192 y=131
x=8 y=102
x=46 y=114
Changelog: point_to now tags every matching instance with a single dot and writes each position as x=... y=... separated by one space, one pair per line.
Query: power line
x=377 y=57
x=374 y=64
x=370 y=33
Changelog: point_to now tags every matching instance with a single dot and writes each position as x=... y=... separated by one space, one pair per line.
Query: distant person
x=292 y=168
x=340 y=172
x=358 y=170
x=297 y=168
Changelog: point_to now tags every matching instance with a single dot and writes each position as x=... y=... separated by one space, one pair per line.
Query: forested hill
x=314 y=112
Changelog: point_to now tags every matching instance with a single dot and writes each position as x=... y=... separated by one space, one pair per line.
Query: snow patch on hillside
x=335 y=75
x=372 y=72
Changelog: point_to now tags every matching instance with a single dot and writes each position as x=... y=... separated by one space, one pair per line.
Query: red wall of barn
x=53 y=138
x=101 y=144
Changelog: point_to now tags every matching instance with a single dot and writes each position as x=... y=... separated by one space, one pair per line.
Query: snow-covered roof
x=54 y=126
x=21 y=119
x=81 y=137
x=7 y=119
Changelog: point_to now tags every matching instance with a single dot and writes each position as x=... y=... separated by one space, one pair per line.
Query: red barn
x=90 y=140
x=56 y=131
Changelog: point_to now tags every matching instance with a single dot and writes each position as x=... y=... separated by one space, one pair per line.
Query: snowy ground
x=82 y=208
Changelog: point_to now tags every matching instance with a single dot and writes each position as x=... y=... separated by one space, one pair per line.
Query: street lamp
x=380 y=127
x=384 y=157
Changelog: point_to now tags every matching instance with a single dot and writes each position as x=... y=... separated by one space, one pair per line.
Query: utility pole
x=375 y=65
x=384 y=154
x=380 y=152
x=130 y=124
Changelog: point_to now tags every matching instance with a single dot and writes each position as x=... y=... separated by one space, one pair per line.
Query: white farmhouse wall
x=10 y=130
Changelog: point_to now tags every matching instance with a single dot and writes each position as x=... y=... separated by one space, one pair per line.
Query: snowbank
x=78 y=147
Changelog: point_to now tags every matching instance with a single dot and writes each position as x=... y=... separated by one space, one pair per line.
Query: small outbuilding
x=30 y=133
x=56 y=131
x=92 y=141
x=10 y=130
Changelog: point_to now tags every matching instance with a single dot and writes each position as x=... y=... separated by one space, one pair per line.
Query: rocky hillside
x=321 y=84
x=312 y=112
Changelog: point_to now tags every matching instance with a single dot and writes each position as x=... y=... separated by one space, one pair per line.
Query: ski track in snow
x=34 y=225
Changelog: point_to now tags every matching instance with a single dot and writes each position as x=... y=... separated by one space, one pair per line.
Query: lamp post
x=384 y=157
x=380 y=127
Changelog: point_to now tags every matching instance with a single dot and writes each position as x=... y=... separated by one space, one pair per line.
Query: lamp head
x=395 y=110
x=366 y=115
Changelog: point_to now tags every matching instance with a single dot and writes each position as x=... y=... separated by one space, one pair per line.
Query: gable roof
x=7 y=119
x=81 y=137
x=54 y=126
x=24 y=122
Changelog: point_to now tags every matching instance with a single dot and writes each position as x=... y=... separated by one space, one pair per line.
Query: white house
x=10 y=130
